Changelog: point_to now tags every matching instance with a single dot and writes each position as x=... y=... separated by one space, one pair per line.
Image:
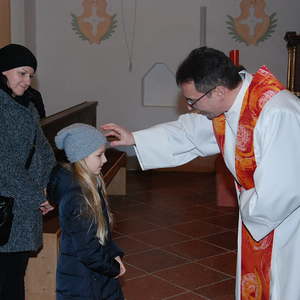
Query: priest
x=254 y=122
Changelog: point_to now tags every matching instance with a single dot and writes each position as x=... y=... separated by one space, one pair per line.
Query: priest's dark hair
x=208 y=68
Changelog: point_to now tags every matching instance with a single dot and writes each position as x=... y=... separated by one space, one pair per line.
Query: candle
x=234 y=56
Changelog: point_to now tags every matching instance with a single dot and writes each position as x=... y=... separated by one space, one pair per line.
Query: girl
x=89 y=261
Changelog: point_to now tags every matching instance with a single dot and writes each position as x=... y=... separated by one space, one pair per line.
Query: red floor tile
x=130 y=245
x=174 y=202
x=221 y=290
x=116 y=234
x=200 y=212
x=135 y=211
x=194 y=249
x=154 y=260
x=133 y=226
x=225 y=263
x=191 y=276
x=132 y=272
x=160 y=237
x=226 y=240
x=227 y=221
x=149 y=288
x=121 y=202
x=170 y=226
x=187 y=296
x=166 y=218
x=221 y=209
x=197 y=229
x=224 y=297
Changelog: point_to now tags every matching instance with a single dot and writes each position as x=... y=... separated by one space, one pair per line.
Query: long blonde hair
x=90 y=185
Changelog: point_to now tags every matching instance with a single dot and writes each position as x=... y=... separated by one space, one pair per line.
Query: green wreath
x=81 y=35
x=235 y=35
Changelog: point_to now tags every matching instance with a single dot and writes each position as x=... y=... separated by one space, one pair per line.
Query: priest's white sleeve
x=175 y=143
x=276 y=195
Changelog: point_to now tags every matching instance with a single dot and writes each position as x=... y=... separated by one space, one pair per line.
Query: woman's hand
x=122 y=267
x=122 y=135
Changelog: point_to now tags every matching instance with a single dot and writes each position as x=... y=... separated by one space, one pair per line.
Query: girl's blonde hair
x=91 y=185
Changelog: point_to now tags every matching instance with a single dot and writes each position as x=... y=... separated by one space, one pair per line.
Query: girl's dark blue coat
x=86 y=269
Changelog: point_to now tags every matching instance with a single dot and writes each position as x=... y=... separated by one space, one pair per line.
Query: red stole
x=256 y=256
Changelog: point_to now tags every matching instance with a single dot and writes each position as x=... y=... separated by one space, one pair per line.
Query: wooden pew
x=40 y=274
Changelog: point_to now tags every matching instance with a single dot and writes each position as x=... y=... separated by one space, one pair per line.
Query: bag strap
x=31 y=153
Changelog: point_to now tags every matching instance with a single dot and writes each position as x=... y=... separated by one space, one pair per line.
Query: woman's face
x=96 y=160
x=19 y=79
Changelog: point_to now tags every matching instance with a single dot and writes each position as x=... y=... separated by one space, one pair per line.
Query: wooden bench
x=41 y=271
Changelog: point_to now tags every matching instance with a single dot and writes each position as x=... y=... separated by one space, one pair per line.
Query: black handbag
x=6 y=218
x=6 y=205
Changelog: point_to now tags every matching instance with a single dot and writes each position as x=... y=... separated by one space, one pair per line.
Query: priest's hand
x=117 y=135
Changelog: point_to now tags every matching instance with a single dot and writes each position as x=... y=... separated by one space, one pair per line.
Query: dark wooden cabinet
x=293 y=70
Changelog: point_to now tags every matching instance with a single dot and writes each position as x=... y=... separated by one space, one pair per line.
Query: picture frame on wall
x=159 y=87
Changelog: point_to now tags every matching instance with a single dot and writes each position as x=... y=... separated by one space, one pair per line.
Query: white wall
x=17 y=11
x=71 y=70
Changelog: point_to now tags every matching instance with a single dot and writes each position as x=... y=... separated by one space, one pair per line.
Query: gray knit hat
x=79 y=141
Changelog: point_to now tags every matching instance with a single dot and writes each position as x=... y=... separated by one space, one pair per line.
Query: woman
x=26 y=160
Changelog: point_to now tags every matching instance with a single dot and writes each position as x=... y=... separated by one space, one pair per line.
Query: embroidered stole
x=256 y=256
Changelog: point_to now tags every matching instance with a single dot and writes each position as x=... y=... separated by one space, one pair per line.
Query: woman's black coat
x=86 y=269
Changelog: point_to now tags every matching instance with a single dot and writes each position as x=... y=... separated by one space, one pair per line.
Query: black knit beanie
x=14 y=56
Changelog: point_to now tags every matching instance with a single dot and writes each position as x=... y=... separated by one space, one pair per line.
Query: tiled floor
x=179 y=245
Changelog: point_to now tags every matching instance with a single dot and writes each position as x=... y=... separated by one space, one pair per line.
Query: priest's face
x=209 y=104
x=19 y=79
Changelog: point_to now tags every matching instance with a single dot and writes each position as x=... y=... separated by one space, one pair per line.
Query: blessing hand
x=123 y=136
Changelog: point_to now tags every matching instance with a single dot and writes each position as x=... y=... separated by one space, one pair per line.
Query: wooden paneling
x=41 y=270
x=199 y=164
x=4 y=22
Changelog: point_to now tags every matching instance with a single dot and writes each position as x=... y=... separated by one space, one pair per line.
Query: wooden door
x=4 y=22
